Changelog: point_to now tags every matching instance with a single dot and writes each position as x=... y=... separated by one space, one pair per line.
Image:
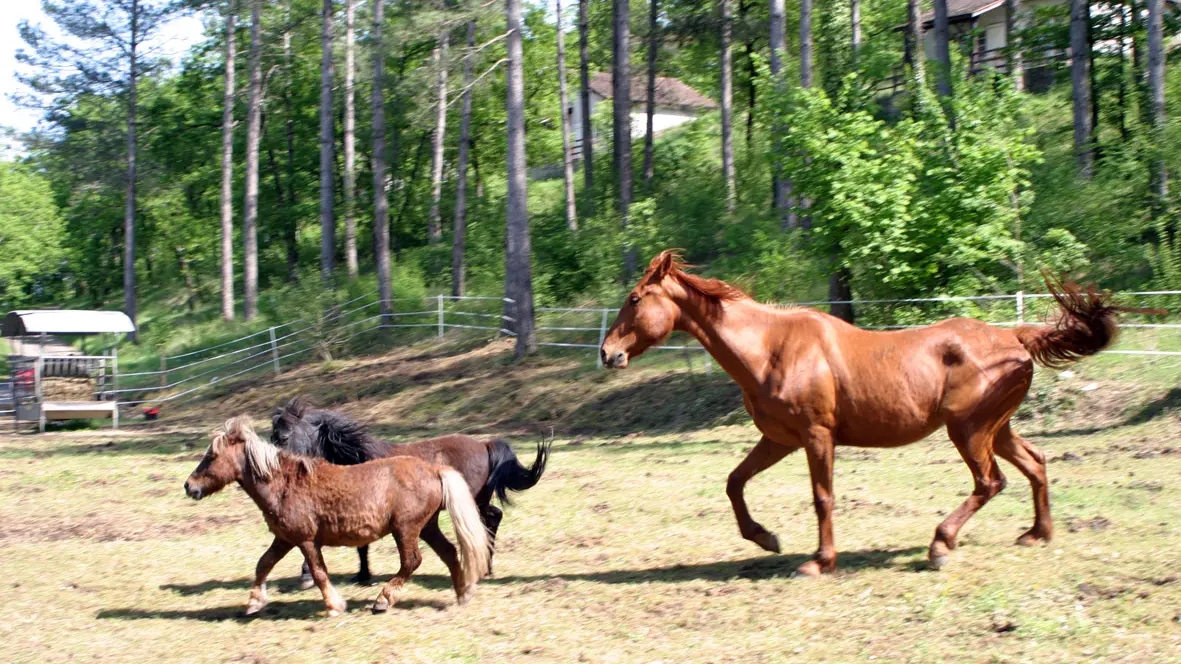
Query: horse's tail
x=505 y=472
x=1085 y=326
x=474 y=549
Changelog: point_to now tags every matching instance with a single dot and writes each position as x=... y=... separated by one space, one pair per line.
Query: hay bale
x=67 y=389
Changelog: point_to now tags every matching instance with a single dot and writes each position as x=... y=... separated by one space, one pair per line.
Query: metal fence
x=349 y=326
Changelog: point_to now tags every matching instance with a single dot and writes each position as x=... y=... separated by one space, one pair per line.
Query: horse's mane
x=329 y=434
x=669 y=263
x=262 y=458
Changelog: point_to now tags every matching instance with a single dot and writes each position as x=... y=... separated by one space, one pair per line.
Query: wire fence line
x=339 y=328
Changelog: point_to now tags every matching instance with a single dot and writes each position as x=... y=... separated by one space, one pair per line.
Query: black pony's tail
x=506 y=472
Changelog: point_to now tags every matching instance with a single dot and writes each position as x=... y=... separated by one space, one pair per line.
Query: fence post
x=274 y=351
x=602 y=335
x=163 y=370
x=440 y=315
x=115 y=368
x=1020 y=307
x=708 y=363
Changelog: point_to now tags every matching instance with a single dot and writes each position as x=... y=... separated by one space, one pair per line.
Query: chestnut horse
x=812 y=381
x=490 y=467
x=309 y=503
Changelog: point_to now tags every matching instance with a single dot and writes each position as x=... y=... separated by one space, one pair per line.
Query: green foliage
x=31 y=234
x=913 y=208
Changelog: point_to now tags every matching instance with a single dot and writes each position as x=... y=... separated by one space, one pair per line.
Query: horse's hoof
x=306 y=583
x=1030 y=538
x=381 y=606
x=334 y=611
x=809 y=570
x=254 y=608
x=362 y=580
x=768 y=541
x=938 y=562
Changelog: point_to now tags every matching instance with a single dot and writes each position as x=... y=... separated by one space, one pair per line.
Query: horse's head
x=234 y=451
x=648 y=315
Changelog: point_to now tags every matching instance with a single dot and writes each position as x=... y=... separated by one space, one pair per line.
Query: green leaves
x=31 y=233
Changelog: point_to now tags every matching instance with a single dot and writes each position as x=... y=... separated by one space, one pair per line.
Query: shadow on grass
x=297 y=610
x=1168 y=403
x=757 y=568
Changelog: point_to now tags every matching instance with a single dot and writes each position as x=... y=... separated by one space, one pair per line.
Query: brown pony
x=309 y=503
x=812 y=381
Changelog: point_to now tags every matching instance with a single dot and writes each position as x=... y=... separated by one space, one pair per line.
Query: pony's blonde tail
x=475 y=552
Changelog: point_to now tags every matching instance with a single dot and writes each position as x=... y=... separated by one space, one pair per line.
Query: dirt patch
x=107 y=529
x=1095 y=524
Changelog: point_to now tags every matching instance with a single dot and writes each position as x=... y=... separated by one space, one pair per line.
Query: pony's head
x=289 y=429
x=653 y=310
x=234 y=451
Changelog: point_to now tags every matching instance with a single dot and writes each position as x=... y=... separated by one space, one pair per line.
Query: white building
x=676 y=104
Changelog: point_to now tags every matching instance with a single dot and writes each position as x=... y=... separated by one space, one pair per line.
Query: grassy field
x=627 y=550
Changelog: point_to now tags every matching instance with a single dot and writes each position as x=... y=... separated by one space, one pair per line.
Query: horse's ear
x=298 y=406
x=661 y=265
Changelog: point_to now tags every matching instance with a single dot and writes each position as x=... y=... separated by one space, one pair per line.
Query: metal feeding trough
x=52 y=380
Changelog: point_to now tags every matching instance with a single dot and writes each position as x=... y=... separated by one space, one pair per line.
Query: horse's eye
x=635 y=299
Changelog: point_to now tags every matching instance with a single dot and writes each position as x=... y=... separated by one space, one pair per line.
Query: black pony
x=490 y=467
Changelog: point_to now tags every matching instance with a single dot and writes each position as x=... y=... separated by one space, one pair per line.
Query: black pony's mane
x=300 y=428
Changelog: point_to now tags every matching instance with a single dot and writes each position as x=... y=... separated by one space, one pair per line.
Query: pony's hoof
x=939 y=562
x=768 y=541
x=254 y=608
x=334 y=611
x=306 y=582
x=381 y=606
x=362 y=580
x=465 y=596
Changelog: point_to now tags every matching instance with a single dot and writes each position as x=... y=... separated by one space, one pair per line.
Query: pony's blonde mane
x=262 y=458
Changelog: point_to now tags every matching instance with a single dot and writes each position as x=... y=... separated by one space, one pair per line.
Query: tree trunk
x=621 y=120
x=1081 y=88
x=327 y=149
x=381 y=196
x=253 y=129
x=459 y=235
x=781 y=184
x=1014 y=23
x=518 y=271
x=129 y=287
x=1156 y=93
x=563 y=99
x=227 y=173
x=350 y=119
x=650 y=107
x=751 y=76
x=942 y=49
x=855 y=30
x=1093 y=73
x=290 y=221
x=435 y=223
x=727 y=104
x=914 y=43
x=806 y=70
x=587 y=150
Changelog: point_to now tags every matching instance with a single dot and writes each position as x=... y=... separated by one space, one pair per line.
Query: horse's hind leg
x=363 y=576
x=1032 y=463
x=332 y=599
x=974 y=443
x=434 y=537
x=765 y=454
x=411 y=558
x=258 y=592
x=491 y=515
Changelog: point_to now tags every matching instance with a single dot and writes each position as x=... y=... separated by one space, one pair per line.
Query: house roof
x=959 y=10
x=62 y=321
x=669 y=92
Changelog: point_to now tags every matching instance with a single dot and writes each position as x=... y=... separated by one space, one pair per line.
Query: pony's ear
x=298 y=406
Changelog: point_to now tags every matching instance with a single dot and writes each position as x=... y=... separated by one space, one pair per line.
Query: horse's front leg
x=315 y=559
x=258 y=592
x=765 y=454
x=363 y=576
x=820 y=450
